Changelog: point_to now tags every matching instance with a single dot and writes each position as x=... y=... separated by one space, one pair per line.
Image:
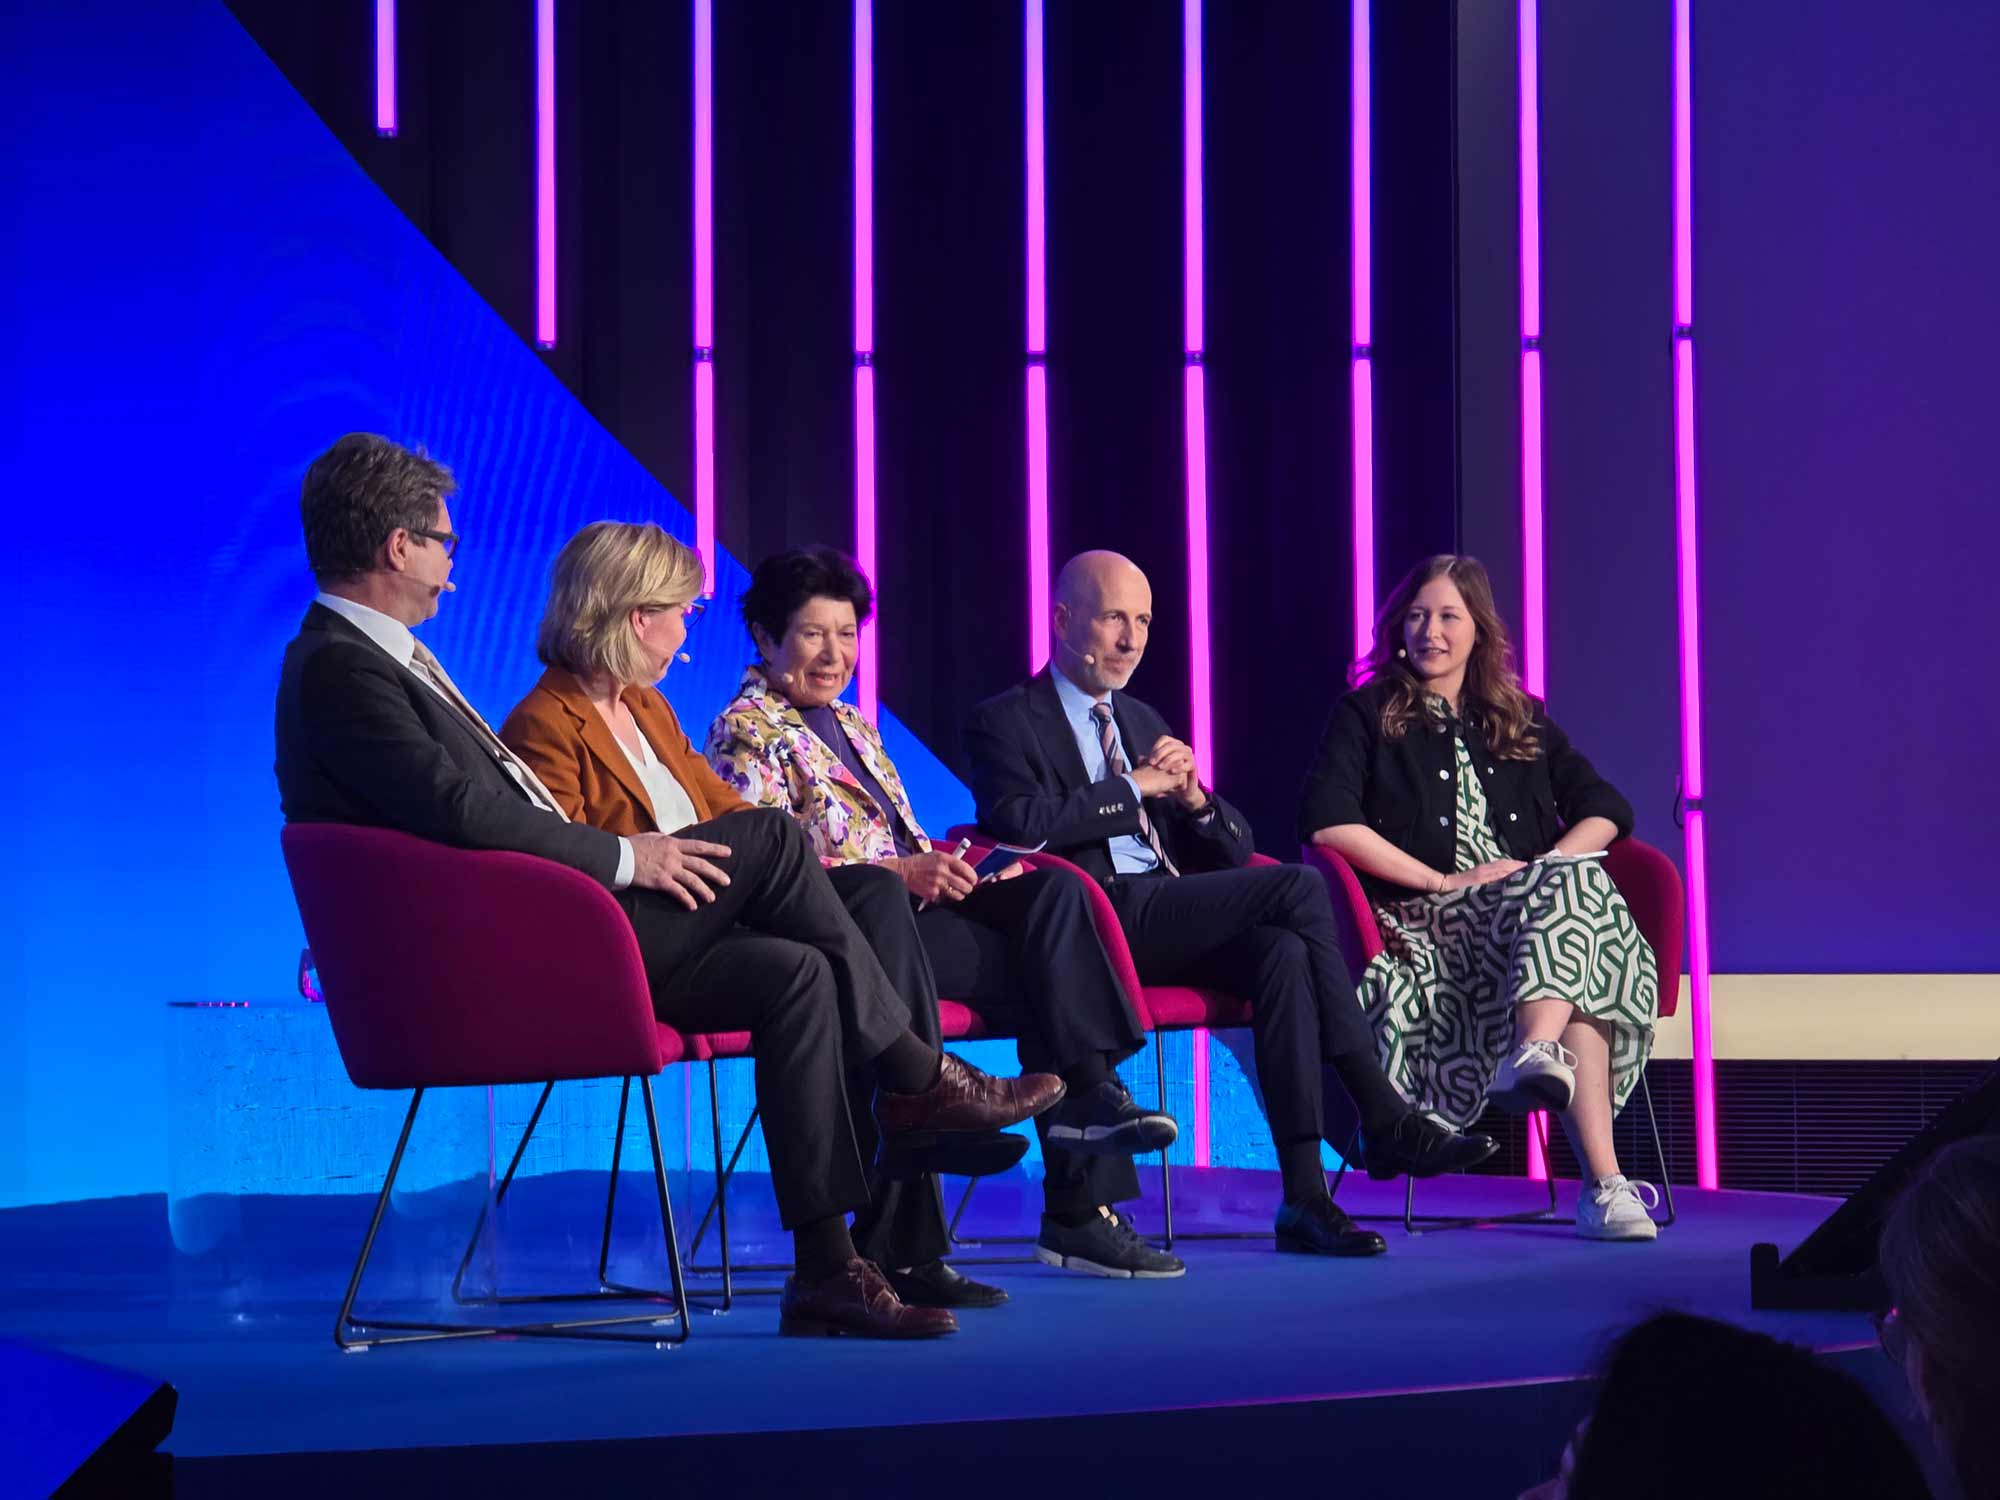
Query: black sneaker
x=1420 y=1147
x=1105 y=1121
x=1106 y=1246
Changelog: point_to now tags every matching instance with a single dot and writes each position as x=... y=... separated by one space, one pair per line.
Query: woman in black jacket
x=1513 y=970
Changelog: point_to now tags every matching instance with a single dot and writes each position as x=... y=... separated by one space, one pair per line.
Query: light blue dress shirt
x=1130 y=854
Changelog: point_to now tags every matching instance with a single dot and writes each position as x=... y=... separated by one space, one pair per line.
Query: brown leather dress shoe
x=963 y=1098
x=857 y=1301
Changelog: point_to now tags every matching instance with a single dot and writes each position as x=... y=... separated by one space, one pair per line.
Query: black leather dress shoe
x=938 y=1285
x=1420 y=1147
x=1318 y=1226
x=977 y=1154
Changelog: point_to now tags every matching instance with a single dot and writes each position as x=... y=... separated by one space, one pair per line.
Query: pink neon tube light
x=1707 y=1173
x=864 y=335
x=704 y=284
x=1196 y=418
x=1038 y=383
x=545 y=173
x=1533 y=604
x=1361 y=324
x=385 y=67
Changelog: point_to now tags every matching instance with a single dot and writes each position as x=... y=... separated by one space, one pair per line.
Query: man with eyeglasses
x=371 y=730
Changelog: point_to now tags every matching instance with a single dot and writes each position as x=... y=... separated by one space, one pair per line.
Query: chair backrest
x=1103 y=917
x=1645 y=877
x=450 y=966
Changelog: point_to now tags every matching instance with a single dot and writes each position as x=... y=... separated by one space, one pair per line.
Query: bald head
x=1086 y=578
x=1103 y=614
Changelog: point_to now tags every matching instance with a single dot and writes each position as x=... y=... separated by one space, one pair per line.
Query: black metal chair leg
x=342 y=1321
x=718 y=1208
x=666 y=1205
x=402 y=1331
x=1659 y=1151
x=611 y=1193
x=506 y=1181
x=1166 y=1167
x=1439 y=1222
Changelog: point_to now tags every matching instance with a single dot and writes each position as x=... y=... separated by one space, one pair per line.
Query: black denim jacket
x=1405 y=789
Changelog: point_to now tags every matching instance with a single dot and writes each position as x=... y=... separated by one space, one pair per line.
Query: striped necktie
x=426 y=665
x=1107 y=739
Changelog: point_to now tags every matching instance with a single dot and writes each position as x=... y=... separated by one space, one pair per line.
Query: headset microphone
x=447 y=587
x=682 y=656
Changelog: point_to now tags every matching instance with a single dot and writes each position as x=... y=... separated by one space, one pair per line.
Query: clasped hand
x=680 y=868
x=1167 y=770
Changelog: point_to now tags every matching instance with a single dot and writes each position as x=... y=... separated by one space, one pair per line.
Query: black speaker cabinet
x=1834 y=1267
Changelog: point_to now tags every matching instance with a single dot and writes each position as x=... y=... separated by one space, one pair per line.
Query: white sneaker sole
x=1094 y=1268
x=1136 y=1138
x=1640 y=1232
x=1532 y=1092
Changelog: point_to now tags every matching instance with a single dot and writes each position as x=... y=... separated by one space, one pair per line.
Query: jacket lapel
x=1052 y=729
x=568 y=692
x=867 y=742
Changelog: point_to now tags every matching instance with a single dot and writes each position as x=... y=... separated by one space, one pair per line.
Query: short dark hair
x=1691 y=1406
x=786 y=581
x=359 y=491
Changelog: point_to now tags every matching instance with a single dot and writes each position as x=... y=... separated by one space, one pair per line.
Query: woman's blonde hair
x=1493 y=693
x=602 y=574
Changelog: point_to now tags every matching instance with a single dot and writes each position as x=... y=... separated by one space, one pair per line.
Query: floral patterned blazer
x=760 y=745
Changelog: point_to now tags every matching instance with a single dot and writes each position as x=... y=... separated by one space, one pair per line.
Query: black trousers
x=903 y=1222
x=1024 y=951
x=1267 y=933
x=776 y=954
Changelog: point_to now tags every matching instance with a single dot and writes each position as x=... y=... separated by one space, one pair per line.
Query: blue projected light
x=206 y=291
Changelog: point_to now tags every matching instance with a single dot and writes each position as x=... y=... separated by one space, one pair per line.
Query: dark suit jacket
x=364 y=740
x=1406 y=789
x=1030 y=786
x=557 y=732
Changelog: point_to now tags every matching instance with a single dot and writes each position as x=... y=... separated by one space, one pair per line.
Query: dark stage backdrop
x=951 y=302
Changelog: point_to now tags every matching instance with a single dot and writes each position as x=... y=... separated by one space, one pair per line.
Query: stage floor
x=1448 y=1335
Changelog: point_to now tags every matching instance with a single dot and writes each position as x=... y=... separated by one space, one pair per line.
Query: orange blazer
x=568 y=744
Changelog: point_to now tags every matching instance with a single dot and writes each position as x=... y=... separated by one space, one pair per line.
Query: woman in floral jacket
x=1020 y=946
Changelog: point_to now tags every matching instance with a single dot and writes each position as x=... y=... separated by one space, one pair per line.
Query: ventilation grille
x=1787 y=1127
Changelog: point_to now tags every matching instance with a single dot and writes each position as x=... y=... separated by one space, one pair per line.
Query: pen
x=957 y=853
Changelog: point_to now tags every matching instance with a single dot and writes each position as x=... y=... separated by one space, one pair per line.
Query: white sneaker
x=1614 y=1208
x=1540 y=1075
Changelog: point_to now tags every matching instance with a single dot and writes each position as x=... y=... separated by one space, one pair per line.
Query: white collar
x=391 y=634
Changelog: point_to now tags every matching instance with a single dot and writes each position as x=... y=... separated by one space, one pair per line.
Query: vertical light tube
x=1038 y=385
x=1534 y=635
x=1687 y=552
x=1360 y=187
x=545 y=173
x=385 y=67
x=704 y=285
x=1195 y=403
x=869 y=684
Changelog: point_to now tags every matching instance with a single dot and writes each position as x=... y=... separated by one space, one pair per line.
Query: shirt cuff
x=1133 y=782
x=628 y=865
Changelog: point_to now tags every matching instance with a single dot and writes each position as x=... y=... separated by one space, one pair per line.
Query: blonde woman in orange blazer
x=604 y=740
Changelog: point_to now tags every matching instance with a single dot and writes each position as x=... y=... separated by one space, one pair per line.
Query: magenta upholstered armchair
x=448 y=967
x=1651 y=886
x=1160 y=1007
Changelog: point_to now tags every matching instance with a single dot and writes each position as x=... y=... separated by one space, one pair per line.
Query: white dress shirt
x=673 y=809
x=394 y=637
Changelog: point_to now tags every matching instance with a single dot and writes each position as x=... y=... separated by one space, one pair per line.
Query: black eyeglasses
x=445 y=539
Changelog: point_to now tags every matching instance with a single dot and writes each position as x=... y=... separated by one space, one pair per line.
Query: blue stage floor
x=1460 y=1342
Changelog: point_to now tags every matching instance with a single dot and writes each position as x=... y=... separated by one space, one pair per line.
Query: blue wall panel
x=203 y=290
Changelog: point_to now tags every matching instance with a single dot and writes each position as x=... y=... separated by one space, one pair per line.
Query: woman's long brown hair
x=1493 y=696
